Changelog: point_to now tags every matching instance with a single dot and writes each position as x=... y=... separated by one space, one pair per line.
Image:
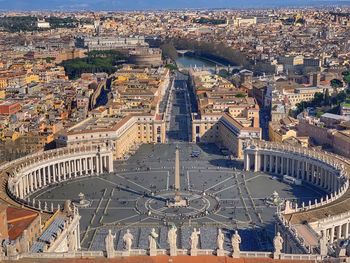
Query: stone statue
x=278 y=245
x=71 y=242
x=172 y=237
x=152 y=239
x=127 y=239
x=11 y=250
x=323 y=245
x=194 y=239
x=220 y=240
x=109 y=242
x=24 y=242
x=67 y=206
x=235 y=242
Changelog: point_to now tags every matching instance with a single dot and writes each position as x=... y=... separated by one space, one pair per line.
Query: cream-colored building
x=226 y=115
x=123 y=134
x=284 y=131
x=225 y=131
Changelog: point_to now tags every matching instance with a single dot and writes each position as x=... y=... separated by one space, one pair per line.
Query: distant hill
x=156 y=4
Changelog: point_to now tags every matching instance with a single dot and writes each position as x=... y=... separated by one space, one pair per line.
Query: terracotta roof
x=18 y=220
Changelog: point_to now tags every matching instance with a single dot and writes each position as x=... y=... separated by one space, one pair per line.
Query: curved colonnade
x=32 y=173
x=323 y=170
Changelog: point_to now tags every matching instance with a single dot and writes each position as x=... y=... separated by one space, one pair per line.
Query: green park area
x=94 y=62
x=28 y=23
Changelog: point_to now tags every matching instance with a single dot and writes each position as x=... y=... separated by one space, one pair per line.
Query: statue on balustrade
x=109 y=242
x=72 y=242
x=323 y=242
x=194 y=239
x=235 y=242
x=152 y=239
x=11 y=250
x=127 y=239
x=172 y=237
x=220 y=240
x=24 y=242
x=278 y=245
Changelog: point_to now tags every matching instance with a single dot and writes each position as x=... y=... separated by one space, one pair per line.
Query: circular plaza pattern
x=134 y=196
x=199 y=204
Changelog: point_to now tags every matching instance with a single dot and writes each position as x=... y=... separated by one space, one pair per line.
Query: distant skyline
x=27 y=5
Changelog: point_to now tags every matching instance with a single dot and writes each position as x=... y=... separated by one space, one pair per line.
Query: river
x=190 y=61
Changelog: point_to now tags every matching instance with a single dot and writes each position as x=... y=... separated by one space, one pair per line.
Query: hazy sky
x=154 y=4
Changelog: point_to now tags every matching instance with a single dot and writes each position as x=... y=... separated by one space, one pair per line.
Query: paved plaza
x=220 y=195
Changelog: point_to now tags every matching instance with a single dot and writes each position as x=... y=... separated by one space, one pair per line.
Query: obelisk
x=177 y=175
x=177 y=201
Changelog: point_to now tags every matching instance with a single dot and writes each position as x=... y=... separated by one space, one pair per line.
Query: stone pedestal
x=110 y=254
x=194 y=252
x=276 y=255
x=173 y=252
x=220 y=252
x=126 y=253
x=153 y=252
x=235 y=254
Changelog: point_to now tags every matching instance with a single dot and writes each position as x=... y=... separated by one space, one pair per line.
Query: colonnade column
x=49 y=173
x=110 y=163
x=257 y=162
x=332 y=235
x=271 y=163
x=247 y=161
x=276 y=164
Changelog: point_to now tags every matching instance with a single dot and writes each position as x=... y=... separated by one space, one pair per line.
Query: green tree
x=336 y=83
x=346 y=76
x=327 y=100
x=318 y=99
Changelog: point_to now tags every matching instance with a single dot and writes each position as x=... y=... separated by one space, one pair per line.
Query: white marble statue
x=323 y=242
x=278 y=243
x=220 y=240
x=235 y=242
x=109 y=242
x=127 y=239
x=152 y=239
x=194 y=239
x=172 y=237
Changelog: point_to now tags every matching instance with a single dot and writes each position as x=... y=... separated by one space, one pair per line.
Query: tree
x=336 y=83
x=327 y=99
x=318 y=99
x=168 y=50
x=346 y=76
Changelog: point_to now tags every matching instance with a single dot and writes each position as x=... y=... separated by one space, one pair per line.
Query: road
x=179 y=116
x=264 y=122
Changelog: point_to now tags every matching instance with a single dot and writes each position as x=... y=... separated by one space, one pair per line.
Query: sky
x=155 y=4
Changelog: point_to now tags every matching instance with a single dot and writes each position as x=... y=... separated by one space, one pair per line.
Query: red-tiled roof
x=18 y=220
